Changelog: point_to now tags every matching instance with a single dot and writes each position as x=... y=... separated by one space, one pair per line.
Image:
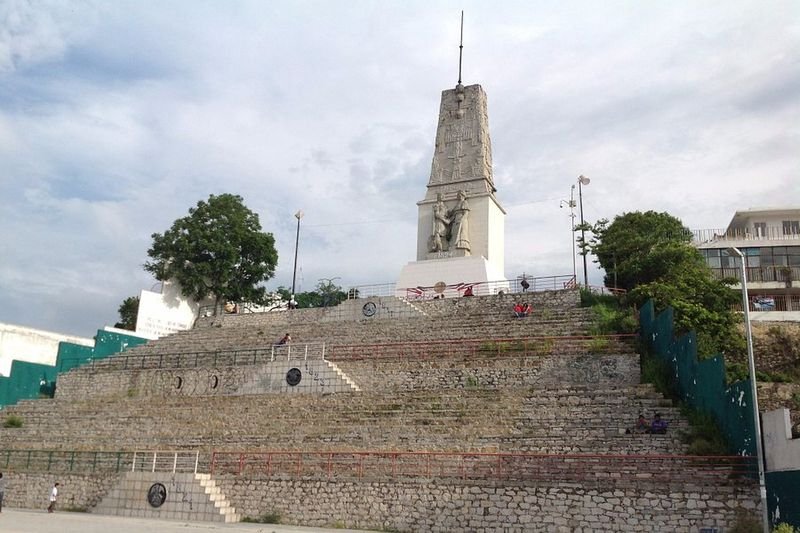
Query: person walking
x=53 y=498
x=2 y=490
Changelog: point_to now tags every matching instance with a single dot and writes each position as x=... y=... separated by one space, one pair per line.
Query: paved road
x=19 y=521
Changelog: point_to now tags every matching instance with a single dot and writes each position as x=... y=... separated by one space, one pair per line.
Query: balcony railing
x=772 y=302
x=771 y=233
x=760 y=274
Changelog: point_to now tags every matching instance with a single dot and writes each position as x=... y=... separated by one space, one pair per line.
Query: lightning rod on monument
x=461 y=47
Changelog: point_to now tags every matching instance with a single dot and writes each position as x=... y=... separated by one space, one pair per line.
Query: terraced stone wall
x=75 y=492
x=551 y=507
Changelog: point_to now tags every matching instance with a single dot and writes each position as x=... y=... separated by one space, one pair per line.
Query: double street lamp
x=298 y=216
x=583 y=180
x=571 y=205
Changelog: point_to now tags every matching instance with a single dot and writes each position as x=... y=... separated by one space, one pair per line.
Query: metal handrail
x=290 y=352
x=170 y=461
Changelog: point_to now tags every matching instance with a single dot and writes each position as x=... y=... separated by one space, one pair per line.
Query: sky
x=118 y=116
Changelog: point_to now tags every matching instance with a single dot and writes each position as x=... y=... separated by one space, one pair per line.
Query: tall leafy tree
x=218 y=250
x=637 y=247
x=326 y=294
x=128 y=311
x=649 y=254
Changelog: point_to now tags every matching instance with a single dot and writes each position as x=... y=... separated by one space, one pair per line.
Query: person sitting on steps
x=642 y=426
x=521 y=310
x=658 y=426
x=285 y=340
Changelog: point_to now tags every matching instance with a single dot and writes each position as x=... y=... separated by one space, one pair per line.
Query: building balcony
x=780 y=276
x=727 y=237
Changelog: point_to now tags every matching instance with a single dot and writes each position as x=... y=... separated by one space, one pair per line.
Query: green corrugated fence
x=701 y=384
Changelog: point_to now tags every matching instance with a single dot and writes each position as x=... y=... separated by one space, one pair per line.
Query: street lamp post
x=298 y=216
x=753 y=388
x=571 y=205
x=583 y=180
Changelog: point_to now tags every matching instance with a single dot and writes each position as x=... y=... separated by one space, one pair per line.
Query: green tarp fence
x=701 y=384
x=28 y=381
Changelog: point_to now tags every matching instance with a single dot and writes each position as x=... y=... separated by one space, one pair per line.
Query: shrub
x=656 y=372
x=704 y=436
x=783 y=527
x=273 y=517
x=598 y=345
x=610 y=319
x=746 y=523
x=12 y=421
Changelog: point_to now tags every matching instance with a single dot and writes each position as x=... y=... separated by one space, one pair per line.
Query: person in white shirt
x=53 y=498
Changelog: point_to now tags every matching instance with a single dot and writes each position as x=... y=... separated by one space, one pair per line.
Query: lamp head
x=583 y=180
x=299 y=214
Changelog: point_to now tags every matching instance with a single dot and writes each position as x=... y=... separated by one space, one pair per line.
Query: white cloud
x=115 y=118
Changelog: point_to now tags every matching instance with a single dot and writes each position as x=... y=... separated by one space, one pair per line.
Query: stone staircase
x=507 y=385
x=188 y=496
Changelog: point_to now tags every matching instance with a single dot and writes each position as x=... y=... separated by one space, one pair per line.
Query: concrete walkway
x=21 y=521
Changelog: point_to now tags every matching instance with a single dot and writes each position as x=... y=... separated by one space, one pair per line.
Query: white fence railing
x=165 y=461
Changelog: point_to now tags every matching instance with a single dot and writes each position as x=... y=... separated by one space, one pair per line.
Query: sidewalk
x=28 y=521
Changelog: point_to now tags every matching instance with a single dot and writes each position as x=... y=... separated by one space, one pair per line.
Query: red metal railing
x=481 y=466
x=510 y=347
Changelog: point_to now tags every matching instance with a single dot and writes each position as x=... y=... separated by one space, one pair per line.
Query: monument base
x=418 y=278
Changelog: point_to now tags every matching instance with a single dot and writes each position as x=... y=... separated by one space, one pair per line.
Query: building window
x=760 y=229
x=791 y=227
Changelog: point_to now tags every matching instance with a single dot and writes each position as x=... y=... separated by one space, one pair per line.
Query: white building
x=32 y=345
x=770 y=241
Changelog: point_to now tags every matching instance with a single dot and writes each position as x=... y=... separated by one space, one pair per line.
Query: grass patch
x=598 y=345
x=545 y=347
x=132 y=393
x=75 y=509
x=13 y=421
x=746 y=523
x=656 y=372
x=266 y=518
x=472 y=382
x=704 y=436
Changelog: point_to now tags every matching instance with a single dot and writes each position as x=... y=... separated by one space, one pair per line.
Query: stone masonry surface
x=545 y=507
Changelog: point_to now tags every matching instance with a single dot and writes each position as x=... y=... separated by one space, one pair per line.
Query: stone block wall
x=315 y=377
x=545 y=506
x=187 y=497
x=29 y=490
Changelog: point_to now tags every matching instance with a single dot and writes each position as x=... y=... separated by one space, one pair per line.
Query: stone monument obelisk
x=461 y=223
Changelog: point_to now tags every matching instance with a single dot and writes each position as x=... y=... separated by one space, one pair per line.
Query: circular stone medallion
x=157 y=495
x=293 y=376
x=369 y=309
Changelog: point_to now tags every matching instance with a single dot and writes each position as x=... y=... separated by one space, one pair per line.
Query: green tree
x=636 y=247
x=217 y=251
x=128 y=311
x=327 y=294
x=651 y=256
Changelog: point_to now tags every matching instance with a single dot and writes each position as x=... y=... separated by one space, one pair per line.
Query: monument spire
x=461 y=47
